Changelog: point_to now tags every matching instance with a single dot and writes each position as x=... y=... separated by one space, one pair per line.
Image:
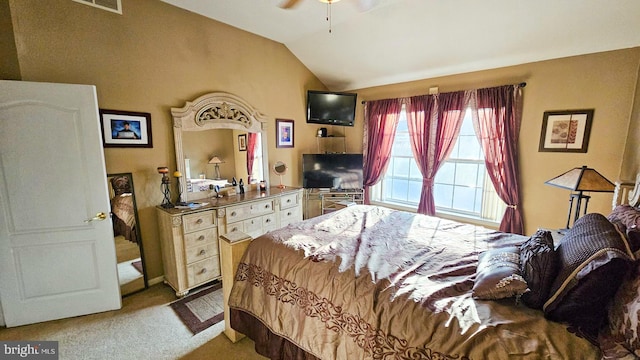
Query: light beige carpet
x=145 y=328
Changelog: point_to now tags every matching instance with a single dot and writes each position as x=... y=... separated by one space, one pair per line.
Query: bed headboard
x=627 y=193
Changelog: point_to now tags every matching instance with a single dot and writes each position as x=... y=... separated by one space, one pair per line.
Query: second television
x=332 y=171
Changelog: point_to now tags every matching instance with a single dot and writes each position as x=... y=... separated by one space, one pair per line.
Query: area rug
x=202 y=309
x=138 y=266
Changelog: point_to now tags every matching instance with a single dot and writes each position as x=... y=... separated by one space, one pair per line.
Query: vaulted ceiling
x=379 y=42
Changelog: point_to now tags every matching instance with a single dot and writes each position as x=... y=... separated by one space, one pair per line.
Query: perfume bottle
x=241 y=186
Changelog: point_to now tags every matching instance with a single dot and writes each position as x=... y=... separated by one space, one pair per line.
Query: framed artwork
x=284 y=133
x=125 y=128
x=566 y=131
x=242 y=142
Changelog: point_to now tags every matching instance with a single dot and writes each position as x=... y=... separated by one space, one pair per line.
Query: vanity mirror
x=280 y=168
x=206 y=127
x=126 y=232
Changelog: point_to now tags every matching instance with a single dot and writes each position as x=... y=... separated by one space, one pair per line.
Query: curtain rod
x=522 y=84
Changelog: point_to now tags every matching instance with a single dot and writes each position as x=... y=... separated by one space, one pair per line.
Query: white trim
x=93 y=4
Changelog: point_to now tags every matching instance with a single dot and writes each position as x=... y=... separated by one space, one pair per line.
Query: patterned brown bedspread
x=373 y=283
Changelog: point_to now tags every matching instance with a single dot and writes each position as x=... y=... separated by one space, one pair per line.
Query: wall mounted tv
x=332 y=171
x=331 y=108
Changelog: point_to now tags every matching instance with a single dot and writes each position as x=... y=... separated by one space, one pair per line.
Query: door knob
x=99 y=217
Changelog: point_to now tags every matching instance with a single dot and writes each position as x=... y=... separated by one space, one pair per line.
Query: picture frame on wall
x=242 y=142
x=566 y=131
x=284 y=133
x=125 y=129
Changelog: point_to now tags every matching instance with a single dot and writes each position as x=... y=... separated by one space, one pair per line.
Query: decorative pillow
x=624 y=313
x=627 y=218
x=593 y=262
x=498 y=274
x=539 y=266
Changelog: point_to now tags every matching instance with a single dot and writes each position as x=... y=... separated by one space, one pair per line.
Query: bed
x=122 y=209
x=369 y=282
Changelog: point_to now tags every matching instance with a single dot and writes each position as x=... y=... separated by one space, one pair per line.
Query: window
x=461 y=186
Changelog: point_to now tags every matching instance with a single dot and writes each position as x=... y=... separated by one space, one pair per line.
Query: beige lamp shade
x=215 y=160
x=582 y=179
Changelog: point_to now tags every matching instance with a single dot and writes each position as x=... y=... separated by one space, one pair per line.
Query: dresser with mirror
x=190 y=232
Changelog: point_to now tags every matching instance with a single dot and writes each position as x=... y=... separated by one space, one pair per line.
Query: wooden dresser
x=190 y=238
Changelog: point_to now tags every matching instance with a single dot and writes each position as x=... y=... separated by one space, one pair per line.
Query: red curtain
x=434 y=123
x=496 y=120
x=381 y=121
x=252 y=140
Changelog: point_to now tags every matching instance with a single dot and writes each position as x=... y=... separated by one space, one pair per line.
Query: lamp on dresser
x=580 y=180
x=216 y=161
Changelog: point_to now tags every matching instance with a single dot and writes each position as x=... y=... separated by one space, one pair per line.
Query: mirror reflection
x=124 y=217
x=213 y=158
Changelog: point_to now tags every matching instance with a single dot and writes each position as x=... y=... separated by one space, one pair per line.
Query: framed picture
x=125 y=128
x=242 y=142
x=284 y=133
x=566 y=131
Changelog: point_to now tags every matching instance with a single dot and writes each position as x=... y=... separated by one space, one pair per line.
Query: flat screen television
x=331 y=108
x=332 y=171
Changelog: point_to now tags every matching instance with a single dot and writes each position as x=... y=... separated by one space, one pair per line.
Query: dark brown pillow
x=539 y=266
x=593 y=262
x=498 y=274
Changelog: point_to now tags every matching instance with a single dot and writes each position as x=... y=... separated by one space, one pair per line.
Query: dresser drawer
x=201 y=252
x=198 y=221
x=201 y=237
x=262 y=207
x=237 y=226
x=252 y=225
x=269 y=223
x=289 y=216
x=287 y=201
x=203 y=271
x=237 y=213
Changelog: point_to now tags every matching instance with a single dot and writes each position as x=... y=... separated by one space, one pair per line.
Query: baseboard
x=156 y=280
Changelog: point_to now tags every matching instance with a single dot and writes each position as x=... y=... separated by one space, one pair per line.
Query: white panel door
x=55 y=262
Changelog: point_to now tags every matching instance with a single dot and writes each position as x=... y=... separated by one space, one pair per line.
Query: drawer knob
x=288 y=200
x=204 y=270
x=234 y=229
x=233 y=213
x=289 y=213
x=201 y=237
x=266 y=206
x=268 y=220
x=199 y=221
x=202 y=252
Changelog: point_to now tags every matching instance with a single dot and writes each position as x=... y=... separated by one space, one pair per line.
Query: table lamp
x=216 y=161
x=579 y=180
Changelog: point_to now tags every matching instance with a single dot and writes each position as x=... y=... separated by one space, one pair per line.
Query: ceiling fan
x=363 y=5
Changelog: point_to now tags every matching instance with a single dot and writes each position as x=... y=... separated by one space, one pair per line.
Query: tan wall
x=151 y=58
x=156 y=56
x=605 y=82
x=631 y=160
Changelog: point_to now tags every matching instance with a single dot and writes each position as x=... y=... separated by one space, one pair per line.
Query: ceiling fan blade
x=289 y=4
